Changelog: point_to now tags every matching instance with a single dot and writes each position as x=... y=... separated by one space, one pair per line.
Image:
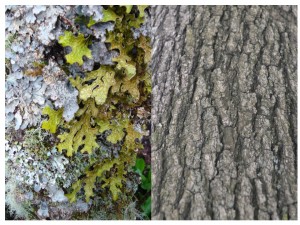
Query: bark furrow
x=224 y=112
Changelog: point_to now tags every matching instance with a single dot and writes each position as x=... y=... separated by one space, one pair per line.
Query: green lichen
x=116 y=128
x=81 y=131
x=103 y=79
x=121 y=39
x=109 y=98
x=109 y=15
x=128 y=8
x=54 y=119
x=285 y=217
x=120 y=165
x=137 y=21
x=79 y=47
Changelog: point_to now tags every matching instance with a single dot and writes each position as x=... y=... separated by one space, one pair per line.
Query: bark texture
x=224 y=113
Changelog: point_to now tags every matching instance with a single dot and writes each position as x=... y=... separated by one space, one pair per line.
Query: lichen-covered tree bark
x=224 y=113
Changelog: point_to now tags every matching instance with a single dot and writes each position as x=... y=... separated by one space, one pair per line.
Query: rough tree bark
x=224 y=113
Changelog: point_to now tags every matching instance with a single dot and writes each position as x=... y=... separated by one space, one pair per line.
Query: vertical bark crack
x=224 y=112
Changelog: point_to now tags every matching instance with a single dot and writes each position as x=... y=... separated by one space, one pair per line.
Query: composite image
x=150 y=112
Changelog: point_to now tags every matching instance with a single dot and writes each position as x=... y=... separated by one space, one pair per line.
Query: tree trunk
x=224 y=113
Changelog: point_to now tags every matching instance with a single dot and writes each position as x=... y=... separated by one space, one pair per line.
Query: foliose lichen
x=76 y=79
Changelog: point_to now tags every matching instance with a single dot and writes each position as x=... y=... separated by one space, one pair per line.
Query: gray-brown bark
x=224 y=132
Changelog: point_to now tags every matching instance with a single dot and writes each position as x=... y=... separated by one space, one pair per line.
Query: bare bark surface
x=224 y=112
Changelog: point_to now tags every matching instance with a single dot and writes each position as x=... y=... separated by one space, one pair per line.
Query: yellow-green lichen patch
x=103 y=79
x=54 y=119
x=81 y=132
x=79 y=47
x=109 y=98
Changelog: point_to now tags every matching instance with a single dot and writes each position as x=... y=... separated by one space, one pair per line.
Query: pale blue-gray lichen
x=37 y=174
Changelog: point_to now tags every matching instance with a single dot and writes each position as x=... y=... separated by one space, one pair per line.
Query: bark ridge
x=224 y=112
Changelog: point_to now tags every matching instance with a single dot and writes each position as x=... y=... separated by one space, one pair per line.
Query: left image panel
x=77 y=113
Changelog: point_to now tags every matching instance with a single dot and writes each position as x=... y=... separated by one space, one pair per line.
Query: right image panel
x=224 y=112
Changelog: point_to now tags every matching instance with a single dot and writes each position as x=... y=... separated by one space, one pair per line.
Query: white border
x=118 y=2
x=150 y=2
